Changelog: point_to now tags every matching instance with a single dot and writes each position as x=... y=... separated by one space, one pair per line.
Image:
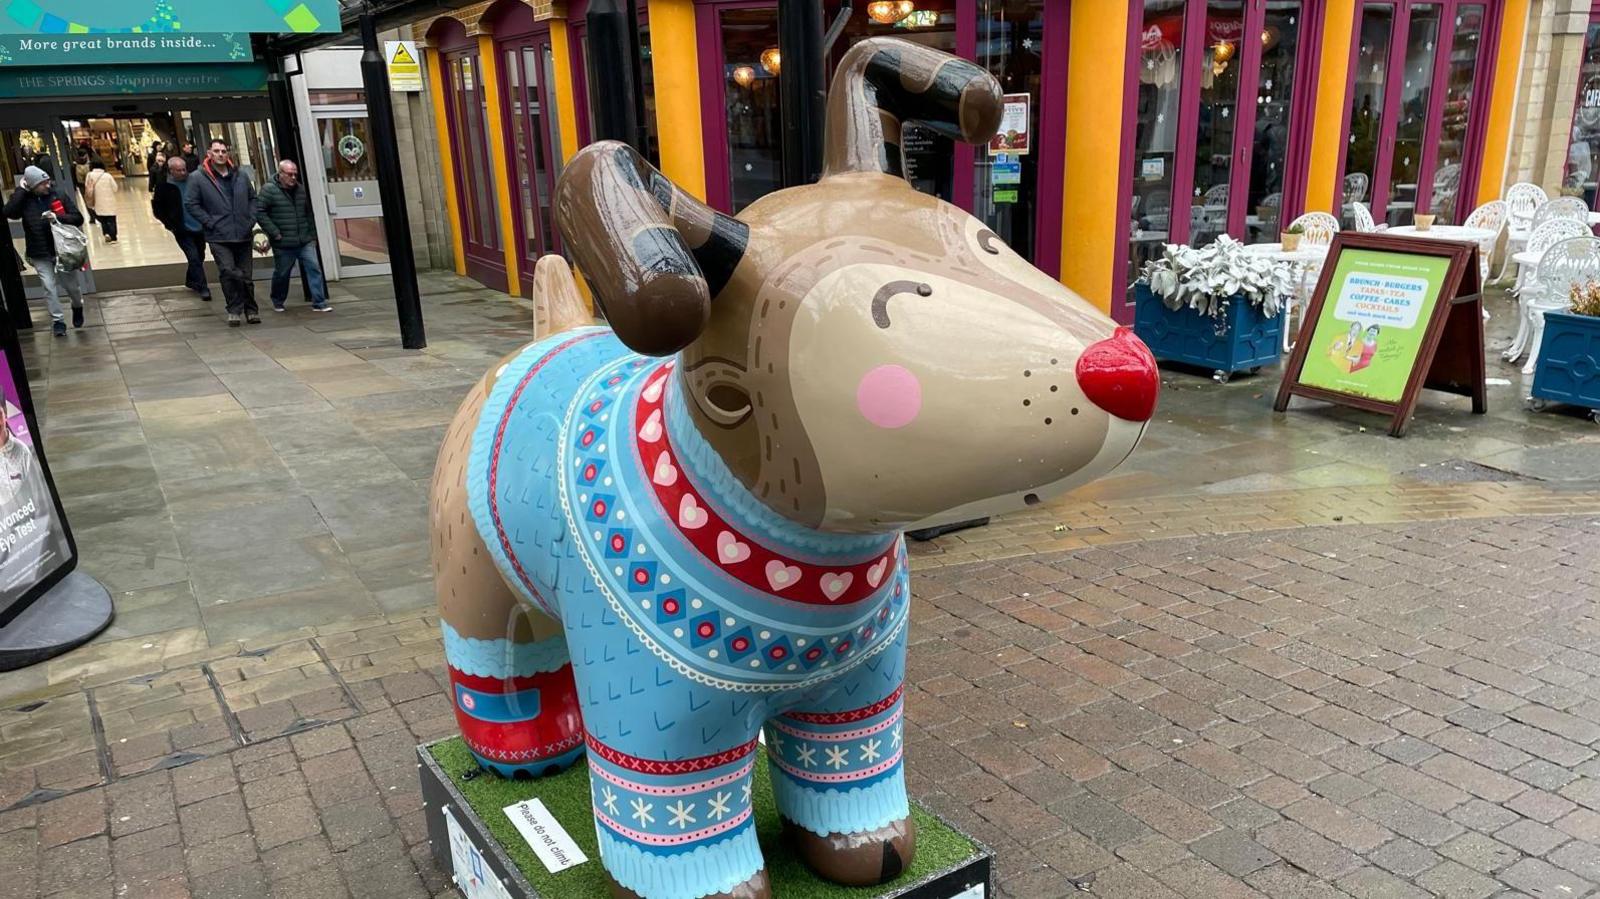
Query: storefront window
x=470 y=107
x=1155 y=139
x=1459 y=82
x=1214 y=127
x=1366 y=107
x=1411 y=137
x=1416 y=90
x=750 y=66
x=522 y=84
x=1583 y=153
x=1011 y=46
x=1280 y=48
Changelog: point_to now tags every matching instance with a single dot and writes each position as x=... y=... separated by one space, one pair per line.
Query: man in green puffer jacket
x=283 y=210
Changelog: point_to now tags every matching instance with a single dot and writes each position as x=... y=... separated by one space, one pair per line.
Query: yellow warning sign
x=405 y=71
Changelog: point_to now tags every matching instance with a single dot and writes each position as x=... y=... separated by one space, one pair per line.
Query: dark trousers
x=193 y=245
x=108 y=226
x=238 y=287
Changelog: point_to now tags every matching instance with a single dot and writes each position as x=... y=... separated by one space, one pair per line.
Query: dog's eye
x=989 y=241
x=880 y=300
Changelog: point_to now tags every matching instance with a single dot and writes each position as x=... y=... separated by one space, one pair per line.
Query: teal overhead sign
x=160 y=16
x=201 y=78
x=112 y=49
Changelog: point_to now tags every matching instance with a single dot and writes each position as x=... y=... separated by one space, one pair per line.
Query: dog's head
x=864 y=356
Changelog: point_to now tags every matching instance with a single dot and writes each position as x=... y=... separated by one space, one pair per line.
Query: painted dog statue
x=653 y=540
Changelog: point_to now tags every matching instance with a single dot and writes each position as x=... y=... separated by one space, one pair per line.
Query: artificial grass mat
x=566 y=795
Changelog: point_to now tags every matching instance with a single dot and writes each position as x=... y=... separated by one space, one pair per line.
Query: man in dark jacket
x=283 y=209
x=37 y=203
x=190 y=157
x=223 y=201
x=167 y=204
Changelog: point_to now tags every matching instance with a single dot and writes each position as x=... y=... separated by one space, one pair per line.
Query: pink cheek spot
x=889 y=396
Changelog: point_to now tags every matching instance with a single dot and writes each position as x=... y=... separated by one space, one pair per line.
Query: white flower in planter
x=1204 y=278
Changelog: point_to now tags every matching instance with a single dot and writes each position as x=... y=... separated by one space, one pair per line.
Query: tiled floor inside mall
x=1206 y=716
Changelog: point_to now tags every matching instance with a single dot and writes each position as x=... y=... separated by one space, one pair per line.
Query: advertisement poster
x=35 y=549
x=1372 y=326
x=1013 y=136
x=97 y=48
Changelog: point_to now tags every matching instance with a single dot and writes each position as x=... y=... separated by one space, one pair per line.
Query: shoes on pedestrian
x=252 y=318
x=279 y=307
x=60 y=328
x=205 y=295
x=325 y=307
x=77 y=316
x=233 y=319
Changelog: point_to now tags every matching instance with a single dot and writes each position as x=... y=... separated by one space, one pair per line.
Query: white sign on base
x=545 y=835
x=472 y=874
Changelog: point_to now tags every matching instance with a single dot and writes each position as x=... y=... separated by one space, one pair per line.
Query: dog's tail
x=557 y=304
x=882 y=82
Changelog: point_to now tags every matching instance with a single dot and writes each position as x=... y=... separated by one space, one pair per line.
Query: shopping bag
x=72 y=247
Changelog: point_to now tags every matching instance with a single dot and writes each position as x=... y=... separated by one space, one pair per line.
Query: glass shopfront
x=1220 y=117
x=1414 y=122
x=1583 y=150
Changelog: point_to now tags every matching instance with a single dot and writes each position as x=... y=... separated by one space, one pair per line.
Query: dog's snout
x=1119 y=375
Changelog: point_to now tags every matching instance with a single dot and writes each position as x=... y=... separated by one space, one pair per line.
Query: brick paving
x=1369 y=710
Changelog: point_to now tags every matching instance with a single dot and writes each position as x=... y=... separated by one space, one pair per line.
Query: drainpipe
x=391 y=187
x=803 y=89
x=614 y=49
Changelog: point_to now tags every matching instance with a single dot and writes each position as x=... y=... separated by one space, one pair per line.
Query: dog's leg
x=511 y=682
x=839 y=778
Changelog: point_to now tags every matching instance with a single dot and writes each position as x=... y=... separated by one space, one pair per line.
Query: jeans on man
x=108 y=226
x=238 y=288
x=193 y=245
x=53 y=281
x=283 y=260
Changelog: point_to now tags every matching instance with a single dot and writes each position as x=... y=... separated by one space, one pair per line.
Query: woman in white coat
x=100 y=193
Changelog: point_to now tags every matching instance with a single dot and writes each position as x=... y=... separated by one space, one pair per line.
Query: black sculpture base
x=69 y=615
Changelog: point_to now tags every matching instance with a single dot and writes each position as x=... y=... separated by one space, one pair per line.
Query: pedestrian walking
x=100 y=194
x=283 y=210
x=170 y=211
x=37 y=203
x=223 y=201
x=190 y=157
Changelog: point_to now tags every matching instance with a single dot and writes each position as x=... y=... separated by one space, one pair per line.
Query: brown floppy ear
x=884 y=81
x=654 y=256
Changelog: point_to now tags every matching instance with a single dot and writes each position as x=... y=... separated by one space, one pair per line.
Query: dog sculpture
x=654 y=540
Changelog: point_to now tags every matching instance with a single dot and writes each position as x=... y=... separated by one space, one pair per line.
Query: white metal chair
x=1491 y=216
x=1571 y=262
x=1316 y=228
x=1445 y=182
x=1529 y=286
x=1522 y=201
x=1560 y=208
x=1361 y=218
x=1355 y=187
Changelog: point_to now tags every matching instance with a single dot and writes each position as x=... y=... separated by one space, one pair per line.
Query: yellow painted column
x=447 y=161
x=1091 y=189
x=676 y=64
x=1503 y=100
x=1327 y=120
x=489 y=63
x=566 y=98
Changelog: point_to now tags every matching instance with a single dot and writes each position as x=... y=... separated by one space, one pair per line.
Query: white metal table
x=1301 y=260
x=1444 y=232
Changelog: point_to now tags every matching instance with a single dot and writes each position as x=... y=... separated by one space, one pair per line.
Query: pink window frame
x=1577 y=100
x=536 y=40
x=1477 y=111
x=1052 y=115
x=485 y=264
x=1308 y=55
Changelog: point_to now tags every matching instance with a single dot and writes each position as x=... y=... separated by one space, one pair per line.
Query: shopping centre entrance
x=64 y=135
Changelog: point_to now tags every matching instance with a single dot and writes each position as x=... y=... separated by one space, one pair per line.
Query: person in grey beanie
x=37 y=203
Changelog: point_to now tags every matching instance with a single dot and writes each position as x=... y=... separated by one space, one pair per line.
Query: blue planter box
x=1241 y=338
x=1568 y=370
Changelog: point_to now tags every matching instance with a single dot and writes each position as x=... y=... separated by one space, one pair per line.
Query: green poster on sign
x=202 y=78
x=103 y=49
x=62 y=17
x=1373 y=322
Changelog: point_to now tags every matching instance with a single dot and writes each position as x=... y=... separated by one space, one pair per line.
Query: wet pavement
x=1378 y=684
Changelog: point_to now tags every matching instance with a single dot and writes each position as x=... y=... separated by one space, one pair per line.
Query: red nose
x=1118 y=374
